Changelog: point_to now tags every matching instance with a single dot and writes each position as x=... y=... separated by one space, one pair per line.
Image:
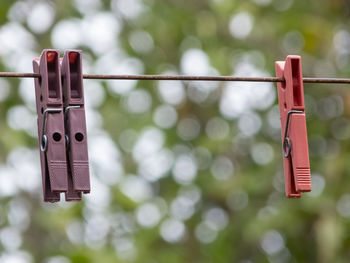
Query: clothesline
x=184 y=77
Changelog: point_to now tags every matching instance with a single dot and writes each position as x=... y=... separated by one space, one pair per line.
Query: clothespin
x=293 y=127
x=49 y=104
x=75 y=125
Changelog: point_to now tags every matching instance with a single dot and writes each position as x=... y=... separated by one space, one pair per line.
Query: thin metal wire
x=18 y=75
x=185 y=78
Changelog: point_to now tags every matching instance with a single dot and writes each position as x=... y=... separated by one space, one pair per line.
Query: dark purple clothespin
x=48 y=92
x=75 y=125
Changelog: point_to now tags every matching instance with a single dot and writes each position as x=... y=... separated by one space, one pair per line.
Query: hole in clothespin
x=73 y=56
x=50 y=56
x=296 y=83
x=75 y=75
x=56 y=136
x=79 y=136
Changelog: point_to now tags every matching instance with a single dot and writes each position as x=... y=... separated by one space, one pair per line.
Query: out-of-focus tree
x=181 y=171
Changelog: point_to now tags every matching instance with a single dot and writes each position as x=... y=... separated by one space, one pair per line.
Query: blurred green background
x=181 y=171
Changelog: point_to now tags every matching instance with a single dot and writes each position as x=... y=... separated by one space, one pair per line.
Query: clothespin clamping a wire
x=293 y=127
x=49 y=104
x=61 y=125
x=75 y=124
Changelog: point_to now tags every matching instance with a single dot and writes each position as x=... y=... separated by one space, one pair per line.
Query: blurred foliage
x=181 y=172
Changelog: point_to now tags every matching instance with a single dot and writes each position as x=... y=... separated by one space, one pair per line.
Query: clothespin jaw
x=49 y=104
x=75 y=123
x=293 y=127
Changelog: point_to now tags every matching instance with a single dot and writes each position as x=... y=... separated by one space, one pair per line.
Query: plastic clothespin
x=48 y=93
x=75 y=125
x=293 y=127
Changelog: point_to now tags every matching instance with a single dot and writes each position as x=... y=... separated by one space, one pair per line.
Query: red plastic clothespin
x=48 y=93
x=293 y=127
x=75 y=124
